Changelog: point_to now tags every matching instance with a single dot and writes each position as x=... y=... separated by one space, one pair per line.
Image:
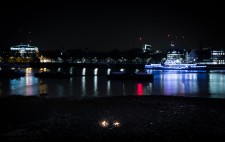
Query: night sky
x=103 y=26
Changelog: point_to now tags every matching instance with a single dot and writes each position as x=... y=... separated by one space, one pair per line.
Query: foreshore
x=136 y=118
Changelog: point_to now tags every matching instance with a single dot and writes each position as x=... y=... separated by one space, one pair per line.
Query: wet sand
x=143 y=118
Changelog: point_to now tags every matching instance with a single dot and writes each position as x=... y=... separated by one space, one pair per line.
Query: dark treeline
x=127 y=56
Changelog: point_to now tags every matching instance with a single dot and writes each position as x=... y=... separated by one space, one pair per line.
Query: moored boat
x=176 y=66
x=52 y=75
x=120 y=75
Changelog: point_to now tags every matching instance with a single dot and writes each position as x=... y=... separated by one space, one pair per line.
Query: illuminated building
x=24 y=51
x=191 y=57
x=174 y=57
x=218 y=56
x=146 y=48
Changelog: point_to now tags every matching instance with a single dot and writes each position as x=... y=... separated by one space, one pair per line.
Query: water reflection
x=83 y=84
x=1 y=92
x=108 y=88
x=71 y=70
x=27 y=86
x=95 y=71
x=84 y=71
x=92 y=82
x=28 y=71
x=140 y=89
x=173 y=83
x=43 y=88
x=216 y=85
x=95 y=86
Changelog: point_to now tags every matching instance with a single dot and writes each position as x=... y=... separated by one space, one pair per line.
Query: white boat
x=176 y=66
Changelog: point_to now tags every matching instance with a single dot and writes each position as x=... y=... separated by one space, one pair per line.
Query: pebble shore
x=135 y=118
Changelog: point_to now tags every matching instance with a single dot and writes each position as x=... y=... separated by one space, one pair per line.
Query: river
x=93 y=83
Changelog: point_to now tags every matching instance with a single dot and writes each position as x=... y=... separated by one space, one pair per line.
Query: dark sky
x=102 y=26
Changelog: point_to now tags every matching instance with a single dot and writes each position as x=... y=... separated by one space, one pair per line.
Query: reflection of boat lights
x=116 y=124
x=104 y=123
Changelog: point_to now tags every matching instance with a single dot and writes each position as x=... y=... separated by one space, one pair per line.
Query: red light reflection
x=139 y=89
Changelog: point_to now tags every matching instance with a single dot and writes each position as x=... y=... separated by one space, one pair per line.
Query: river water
x=94 y=83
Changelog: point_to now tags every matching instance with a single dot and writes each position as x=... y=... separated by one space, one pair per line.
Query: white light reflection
x=149 y=71
x=149 y=88
x=71 y=70
x=108 y=71
x=95 y=86
x=84 y=71
x=179 y=84
x=108 y=87
x=96 y=71
x=83 y=86
x=216 y=85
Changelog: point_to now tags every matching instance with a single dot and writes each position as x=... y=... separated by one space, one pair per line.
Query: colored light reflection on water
x=176 y=83
x=140 y=89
